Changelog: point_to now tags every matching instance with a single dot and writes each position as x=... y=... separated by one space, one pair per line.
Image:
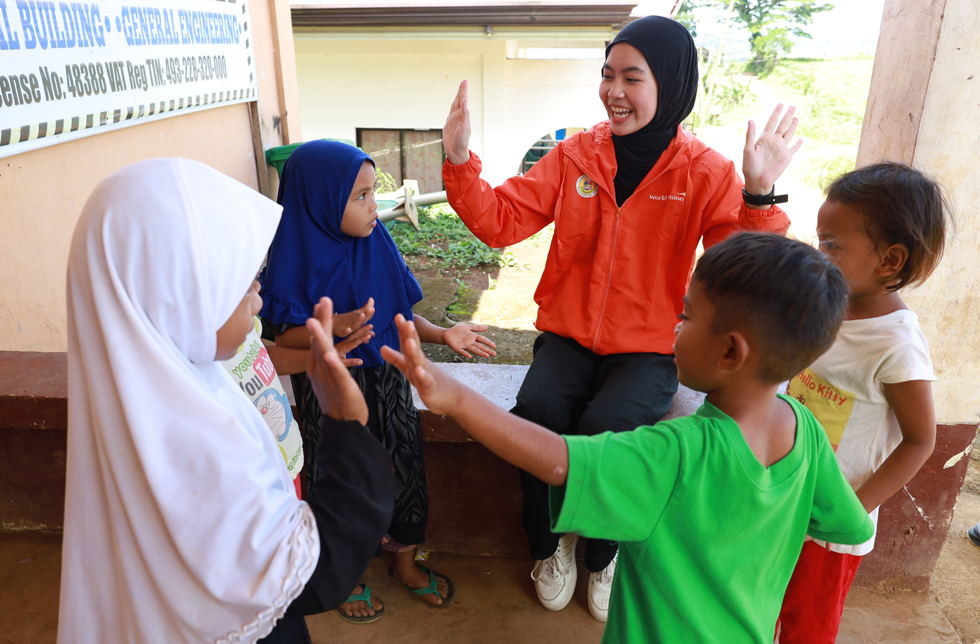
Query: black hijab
x=669 y=49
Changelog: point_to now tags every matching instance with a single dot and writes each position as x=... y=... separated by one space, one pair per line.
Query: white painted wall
x=345 y=84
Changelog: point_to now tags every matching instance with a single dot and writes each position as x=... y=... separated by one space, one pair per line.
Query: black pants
x=291 y=629
x=572 y=391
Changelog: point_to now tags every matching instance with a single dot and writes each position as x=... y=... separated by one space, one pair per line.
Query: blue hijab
x=310 y=257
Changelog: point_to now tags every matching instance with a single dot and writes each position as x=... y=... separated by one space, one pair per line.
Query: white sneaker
x=554 y=577
x=600 y=584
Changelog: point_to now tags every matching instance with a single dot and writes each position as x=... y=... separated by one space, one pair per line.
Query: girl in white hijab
x=181 y=523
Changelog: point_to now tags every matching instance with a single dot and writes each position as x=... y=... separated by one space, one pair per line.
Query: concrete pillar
x=924 y=109
x=275 y=116
x=285 y=61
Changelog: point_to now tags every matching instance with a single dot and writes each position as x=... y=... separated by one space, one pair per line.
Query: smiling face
x=843 y=241
x=628 y=89
x=361 y=215
x=232 y=333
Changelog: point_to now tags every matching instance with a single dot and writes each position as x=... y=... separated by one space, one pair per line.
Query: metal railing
x=407 y=201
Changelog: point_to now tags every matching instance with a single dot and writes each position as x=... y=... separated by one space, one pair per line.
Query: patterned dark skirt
x=395 y=422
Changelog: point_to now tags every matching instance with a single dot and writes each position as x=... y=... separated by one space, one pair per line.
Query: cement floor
x=495 y=603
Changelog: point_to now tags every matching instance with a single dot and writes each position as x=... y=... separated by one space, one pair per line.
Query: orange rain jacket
x=615 y=277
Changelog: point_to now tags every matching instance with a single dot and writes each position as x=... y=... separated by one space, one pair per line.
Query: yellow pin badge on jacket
x=586 y=187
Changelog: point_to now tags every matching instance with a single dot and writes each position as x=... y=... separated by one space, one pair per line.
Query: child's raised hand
x=340 y=397
x=439 y=391
x=346 y=323
x=456 y=131
x=764 y=159
x=463 y=338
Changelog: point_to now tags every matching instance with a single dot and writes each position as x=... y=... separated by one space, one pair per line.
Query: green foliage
x=820 y=173
x=831 y=96
x=721 y=90
x=443 y=237
x=685 y=16
x=772 y=25
x=802 y=81
x=730 y=90
x=461 y=306
x=543 y=236
x=385 y=183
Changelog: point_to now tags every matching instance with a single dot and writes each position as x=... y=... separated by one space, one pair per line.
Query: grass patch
x=462 y=306
x=445 y=239
x=543 y=236
x=819 y=172
x=831 y=96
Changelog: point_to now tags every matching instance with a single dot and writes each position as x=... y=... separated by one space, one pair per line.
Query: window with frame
x=406 y=154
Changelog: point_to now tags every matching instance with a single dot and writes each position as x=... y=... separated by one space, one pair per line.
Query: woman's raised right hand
x=456 y=132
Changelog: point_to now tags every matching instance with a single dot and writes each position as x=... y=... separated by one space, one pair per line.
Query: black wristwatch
x=764 y=200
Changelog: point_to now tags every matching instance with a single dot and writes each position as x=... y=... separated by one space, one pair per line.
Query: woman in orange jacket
x=630 y=199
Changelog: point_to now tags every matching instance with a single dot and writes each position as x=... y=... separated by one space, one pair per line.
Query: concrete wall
x=937 y=126
x=924 y=109
x=349 y=83
x=948 y=146
x=42 y=192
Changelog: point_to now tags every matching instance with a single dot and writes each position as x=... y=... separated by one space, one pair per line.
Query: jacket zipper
x=605 y=298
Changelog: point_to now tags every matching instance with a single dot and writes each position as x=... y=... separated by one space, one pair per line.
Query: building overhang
x=475 y=14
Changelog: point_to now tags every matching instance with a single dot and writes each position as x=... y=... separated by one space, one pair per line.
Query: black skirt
x=394 y=421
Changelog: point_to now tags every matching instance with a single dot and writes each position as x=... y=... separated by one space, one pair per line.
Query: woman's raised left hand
x=765 y=158
x=464 y=340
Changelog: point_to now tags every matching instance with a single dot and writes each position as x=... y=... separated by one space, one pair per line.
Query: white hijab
x=181 y=522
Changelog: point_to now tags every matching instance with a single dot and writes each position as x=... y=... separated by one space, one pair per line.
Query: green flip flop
x=432 y=588
x=360 y=619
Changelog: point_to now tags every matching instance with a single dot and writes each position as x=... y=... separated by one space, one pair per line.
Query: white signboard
x=73 y=69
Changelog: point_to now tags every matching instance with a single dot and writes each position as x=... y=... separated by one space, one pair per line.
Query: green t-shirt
x=709 y=537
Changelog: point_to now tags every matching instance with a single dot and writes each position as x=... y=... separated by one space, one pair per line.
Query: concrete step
x=475 y=497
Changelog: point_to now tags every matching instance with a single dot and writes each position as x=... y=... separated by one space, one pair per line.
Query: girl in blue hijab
x=330 y=243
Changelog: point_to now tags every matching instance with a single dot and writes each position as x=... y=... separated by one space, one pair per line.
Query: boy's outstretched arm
x=519 y=442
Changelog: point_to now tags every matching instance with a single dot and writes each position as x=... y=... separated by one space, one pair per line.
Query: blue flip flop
x=432 y=588
x=360 y=619
x=974 y=535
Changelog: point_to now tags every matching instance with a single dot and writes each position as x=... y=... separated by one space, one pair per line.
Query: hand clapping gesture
x=351 y=342
x=346 y=323
x=437 y=390
x=352 y=327
x=764 y=159
x=339 y=396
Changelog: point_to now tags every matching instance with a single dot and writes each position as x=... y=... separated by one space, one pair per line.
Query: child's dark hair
x=784 y=292
x=898 y=205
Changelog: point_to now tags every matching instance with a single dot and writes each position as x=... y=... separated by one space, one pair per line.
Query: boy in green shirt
x=711 y=510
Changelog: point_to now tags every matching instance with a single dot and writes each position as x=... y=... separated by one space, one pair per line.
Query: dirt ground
x=502 y=298
x=956 y=580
